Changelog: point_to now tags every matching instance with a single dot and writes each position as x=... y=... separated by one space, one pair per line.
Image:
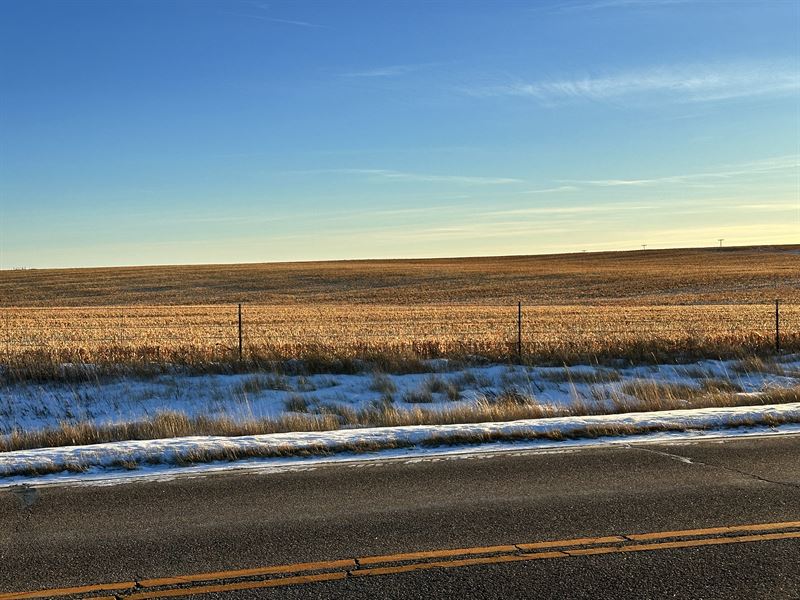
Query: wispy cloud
x=389 y=70
x=405 y=176
x=552 y=190
x=758 y=167
x=472 y=232
x=585 y=5
x=769 y=206
x=681 y=83
x=268 y=18
x=422 y=210
x=572 y=210
x=338 y=215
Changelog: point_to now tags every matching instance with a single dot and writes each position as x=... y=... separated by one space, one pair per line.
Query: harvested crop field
x=280 y=332
x=636 y=305
x=744 y=275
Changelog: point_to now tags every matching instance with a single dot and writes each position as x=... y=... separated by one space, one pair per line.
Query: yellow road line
x=587 y=541
x=371 y=560
x=484 y=560
x=338 y=569
x=508 y=549
x=70 y=591
x=712 y=531
x=242 y=585
x=466 y=562
x=277 y=570
x=684 y=544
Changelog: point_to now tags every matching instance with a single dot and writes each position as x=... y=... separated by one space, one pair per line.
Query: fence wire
x=428 y=330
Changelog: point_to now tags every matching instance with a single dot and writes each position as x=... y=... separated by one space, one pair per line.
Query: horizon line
x=407 y=259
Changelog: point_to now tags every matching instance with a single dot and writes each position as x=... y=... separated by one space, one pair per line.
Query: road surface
x=705 y=519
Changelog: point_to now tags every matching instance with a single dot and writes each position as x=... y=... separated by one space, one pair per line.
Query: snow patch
x=37 y=406
x=170 y=450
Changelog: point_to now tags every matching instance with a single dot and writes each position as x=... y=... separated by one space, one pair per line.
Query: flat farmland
x=750 y=275
x=283 y=332
x=575 y=306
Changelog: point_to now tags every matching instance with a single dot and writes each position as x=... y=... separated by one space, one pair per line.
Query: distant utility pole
x=644 y=246
x=720 y=240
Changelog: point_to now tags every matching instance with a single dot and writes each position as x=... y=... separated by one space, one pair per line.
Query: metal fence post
x=6 y=312
x=777 y=327
x=240 y=332
x=519 y=332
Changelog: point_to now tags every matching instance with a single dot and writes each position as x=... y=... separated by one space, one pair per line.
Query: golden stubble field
x=661 y=277
x=194 y=333
x=574 y=306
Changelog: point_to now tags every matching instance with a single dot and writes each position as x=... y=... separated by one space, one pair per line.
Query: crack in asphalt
x=691 y=461
x=678 y=457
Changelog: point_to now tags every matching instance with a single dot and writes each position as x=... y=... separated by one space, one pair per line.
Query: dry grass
x=205 y=455
x=568 y=375
x=166 y=424
x=296 y=403
x=761 y=364
x=601 y=430
x=649 y=391
x=255 y=384
x=641 y=306
x=40 y=342
x=450 y=389
x=420 y=396
x=695 y=276
x=382 y=383
x=507 y=406
x=647 y=395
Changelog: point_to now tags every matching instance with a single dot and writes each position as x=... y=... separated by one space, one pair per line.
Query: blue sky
x=206 y=131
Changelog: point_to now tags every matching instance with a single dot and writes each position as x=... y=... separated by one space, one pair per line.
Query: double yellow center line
x=301 y=573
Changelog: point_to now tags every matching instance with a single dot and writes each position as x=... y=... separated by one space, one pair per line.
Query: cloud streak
x=759 y=167
x=388 y=71
x=680 y=83
x=552 y=190
x=392 y=175
x=602 y=4
x=296 y=23
x=572 y=210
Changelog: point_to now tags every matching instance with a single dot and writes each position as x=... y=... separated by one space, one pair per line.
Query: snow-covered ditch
x=38 y=406
x=31 y=407
x=132 y=454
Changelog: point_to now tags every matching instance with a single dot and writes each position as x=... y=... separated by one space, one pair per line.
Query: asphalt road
x=55 y=537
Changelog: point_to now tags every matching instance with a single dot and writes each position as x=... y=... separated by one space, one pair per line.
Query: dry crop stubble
x=632 y=305
x=199 y=334
x=738 y=275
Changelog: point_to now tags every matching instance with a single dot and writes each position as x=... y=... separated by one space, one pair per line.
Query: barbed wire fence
x=511 y=332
